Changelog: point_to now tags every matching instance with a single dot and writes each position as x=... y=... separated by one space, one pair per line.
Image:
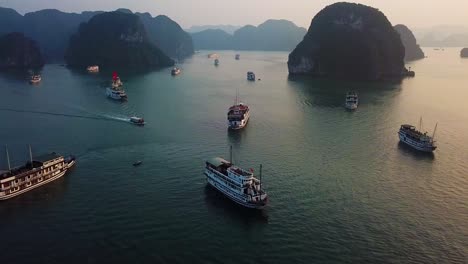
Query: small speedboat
x=137 y=121
x=175 y=71
x=35 y=79
x=137 y=163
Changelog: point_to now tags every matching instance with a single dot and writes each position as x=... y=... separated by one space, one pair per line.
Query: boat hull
x=235 y=197
x=414 y=144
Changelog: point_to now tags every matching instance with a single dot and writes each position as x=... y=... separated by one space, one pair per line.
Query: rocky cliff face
x=464 y=53
x=19 y=52
x=114 y=39
x=349 y=41
x=412 y=50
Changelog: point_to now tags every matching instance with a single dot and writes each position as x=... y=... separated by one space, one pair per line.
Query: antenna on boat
x=433 y=133
x=261 y=177
x=230 y=154
x=8 y=158
x=420 y=123
x=30 y=156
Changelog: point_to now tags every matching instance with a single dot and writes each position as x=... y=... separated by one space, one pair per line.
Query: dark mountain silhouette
x=412 y=50
x=349 y=41
x=281 y=35
x=19 y=52
x=114 y=39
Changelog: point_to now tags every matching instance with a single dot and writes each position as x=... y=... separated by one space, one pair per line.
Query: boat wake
x=94 y=117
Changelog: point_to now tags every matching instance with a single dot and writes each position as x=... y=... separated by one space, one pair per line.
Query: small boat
x=352 y=101
x=116 y=82
x=237 y=184
x=137 y=163
x=212 y=55
x=93 y=69
x=36 y=172
x=237 y=56
x=137 y=121
x=414 y=138
x=251 y=76
x=116 y=94
x=175 y=71
x=36 y=78
x=216 y=62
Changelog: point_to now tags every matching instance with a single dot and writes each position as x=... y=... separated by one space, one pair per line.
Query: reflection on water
x=417 y=155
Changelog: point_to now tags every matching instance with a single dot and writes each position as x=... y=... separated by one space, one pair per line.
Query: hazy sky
x=414 y=13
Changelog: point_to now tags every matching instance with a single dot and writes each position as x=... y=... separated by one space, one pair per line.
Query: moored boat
x=251 y=76
x=416 y=139
x=175 y=71
x=238 y=116
x=93 y=69
x=352 y=101
x=36 y=172
x=36 y=78
x=235 y=183
x=137 y=121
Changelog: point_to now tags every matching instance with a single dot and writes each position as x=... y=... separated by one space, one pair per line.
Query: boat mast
x=420 y=123
x=30 y=156
x=8 y=158
x=433 y=133
x=261 y=177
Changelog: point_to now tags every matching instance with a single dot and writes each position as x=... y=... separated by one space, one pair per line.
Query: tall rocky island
x=464 y=53
x=19 y=52
x=349 y=41
x=114 y=39
x=412 y=50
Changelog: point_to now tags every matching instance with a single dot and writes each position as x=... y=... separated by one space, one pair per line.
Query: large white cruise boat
x=235 y=183
x=116 y=94
x=36 y=172
x=414 y=138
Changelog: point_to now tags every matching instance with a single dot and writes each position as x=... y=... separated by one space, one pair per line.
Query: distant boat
x=216 y=62
x=36 y=78
x=212 y=55
x=116 y=82
x=175 y=71
x=237 y=184
x=237 y=56
x=137 y=121
x=352 y=101
x=93 y=69
x=137 y=163
x=414 y=138
x=251 y=76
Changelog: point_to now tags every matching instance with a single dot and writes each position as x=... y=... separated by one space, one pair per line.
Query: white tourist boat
x=352 y=101
x=238 y=115
x=251 y=76
x=36 y=78
x=116 y=93
x=414 y=138
x=93 y=69
x=36 y=172
x=237 y=184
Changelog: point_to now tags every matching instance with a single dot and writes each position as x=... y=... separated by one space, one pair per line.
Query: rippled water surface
x=342 y=189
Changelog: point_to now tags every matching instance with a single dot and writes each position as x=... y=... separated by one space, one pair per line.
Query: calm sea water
x=342 y=189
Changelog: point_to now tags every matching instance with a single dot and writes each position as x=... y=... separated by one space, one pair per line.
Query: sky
x=413 y=13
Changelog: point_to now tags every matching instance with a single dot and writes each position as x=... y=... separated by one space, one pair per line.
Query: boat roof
x=218 y=161
x=240 y=106
x=408 y=126
x=46 y=157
